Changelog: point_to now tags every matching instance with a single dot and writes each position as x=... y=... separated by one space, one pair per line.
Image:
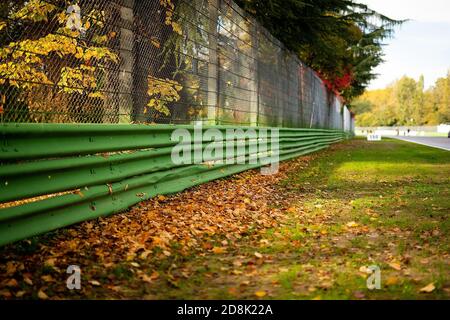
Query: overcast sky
x=420 y=46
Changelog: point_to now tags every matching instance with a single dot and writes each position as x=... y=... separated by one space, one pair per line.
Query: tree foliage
x=48 y=53
x=405 y=102
x=51 y=51
x=340 y=39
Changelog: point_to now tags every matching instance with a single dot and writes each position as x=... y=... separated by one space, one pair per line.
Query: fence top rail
x=57 y=128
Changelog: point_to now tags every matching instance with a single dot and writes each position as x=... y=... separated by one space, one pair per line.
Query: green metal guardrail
x=111 y=167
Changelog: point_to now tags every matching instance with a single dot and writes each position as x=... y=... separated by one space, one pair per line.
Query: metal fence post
x=127 y=62
x=213 y=65
x=254 y=84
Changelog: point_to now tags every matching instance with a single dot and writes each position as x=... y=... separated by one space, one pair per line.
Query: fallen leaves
x=237 y=263
x=10 y=268
x=359 y=295
x=428 y=288
x=260 y=293
x=12 y=283
x=48 y=278
x=51 y=262
x=42 y=295
x=20 y=294
x=5 y=293
x=219 y=250
x=121 y=253
x=352 y=224
x=27 y=280
x=395 y=265
x=391 y=281
x=150 y=278
x=95 y=283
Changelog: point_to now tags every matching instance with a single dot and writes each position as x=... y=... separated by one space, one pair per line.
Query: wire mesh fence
x=153 y=61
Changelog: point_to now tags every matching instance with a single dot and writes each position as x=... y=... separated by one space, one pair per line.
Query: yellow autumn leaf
x=96 y=95
x=260 y=293
x=47 y=278
x=218 y=250
x=27 y=280
x=391 y=281
x=352 y=224
x=20 y=294
x=428 y=288
x=42 y=295
x=50 y=262
x=155 y=42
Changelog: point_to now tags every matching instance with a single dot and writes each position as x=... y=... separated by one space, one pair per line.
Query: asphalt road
x=436 y=142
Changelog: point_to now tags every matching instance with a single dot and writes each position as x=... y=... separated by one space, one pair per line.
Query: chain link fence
x=153 y=61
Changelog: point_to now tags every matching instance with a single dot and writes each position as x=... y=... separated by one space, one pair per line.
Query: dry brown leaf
x=12 y=283
x=5 y=293
x=10 y=268
x=154 y=275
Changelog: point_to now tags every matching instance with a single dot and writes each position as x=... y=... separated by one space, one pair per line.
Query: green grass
x=396 y=190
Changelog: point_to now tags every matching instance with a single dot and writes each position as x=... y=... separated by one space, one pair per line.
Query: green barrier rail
x=113 y=167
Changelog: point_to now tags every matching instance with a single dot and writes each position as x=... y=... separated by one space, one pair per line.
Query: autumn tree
x=341 y=39
x=405 y=102
x=49 y=53
x=63 y=62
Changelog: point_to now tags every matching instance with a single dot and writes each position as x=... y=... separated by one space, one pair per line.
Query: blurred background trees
x=405 y=102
